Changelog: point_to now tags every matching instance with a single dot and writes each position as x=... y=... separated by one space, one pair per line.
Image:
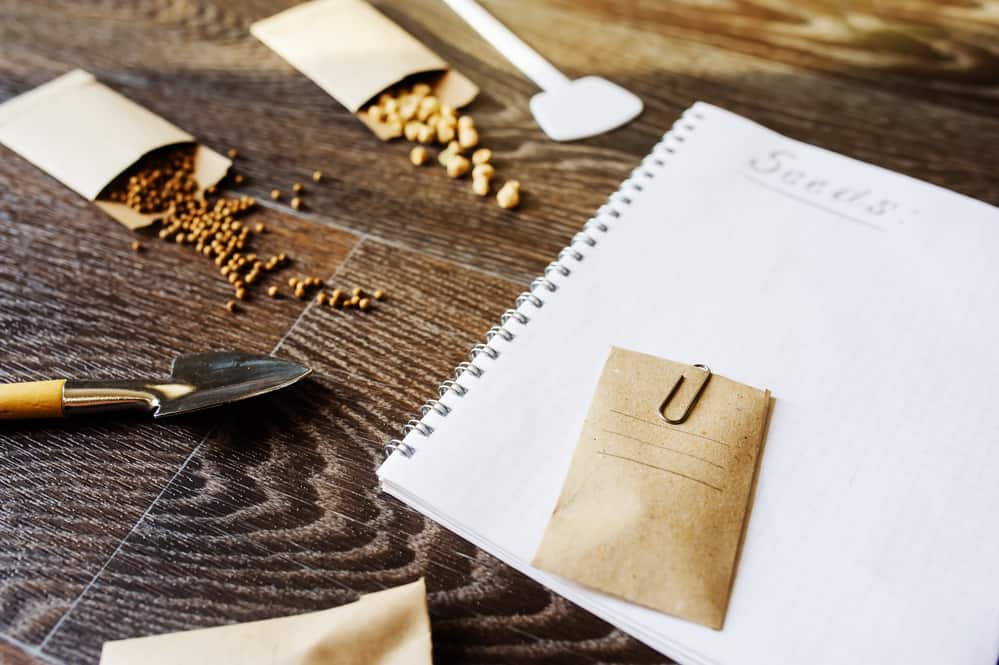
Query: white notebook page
x=866 y=301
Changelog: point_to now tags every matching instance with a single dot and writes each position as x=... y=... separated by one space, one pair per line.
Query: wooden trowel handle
x=34 y=399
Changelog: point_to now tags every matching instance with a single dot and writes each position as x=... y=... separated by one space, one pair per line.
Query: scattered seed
x=357 y=292
x=379 y=294
x=297 y=187
x=426 y=134
x=317 y=176
x=482 y=156
x=364 y=304
x=276 y=194
x=299 y=290
x=231 y=306
x=296 y=203
x=447 y=153
x=468 y=137
x=412 y=130
x=509 y=195
x=440 y=123
x=240 y=293
x=321 y=298
x=272 y=291
x=480 y=185
x=484 y=171
x=457 y=166
x=445 y=132
x=136 y=246
x=238 y=178
x=418 y=155
x=233 y=153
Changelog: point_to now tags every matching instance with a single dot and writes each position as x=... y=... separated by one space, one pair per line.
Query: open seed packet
x=85 y=135
x=354 y=53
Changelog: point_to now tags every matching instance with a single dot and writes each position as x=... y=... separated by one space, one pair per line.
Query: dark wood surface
x=112 y=529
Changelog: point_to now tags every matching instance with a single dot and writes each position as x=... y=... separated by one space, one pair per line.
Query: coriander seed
x=272 y=291
x=296 y=203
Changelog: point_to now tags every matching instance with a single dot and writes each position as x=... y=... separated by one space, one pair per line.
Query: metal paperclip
x=693 y=400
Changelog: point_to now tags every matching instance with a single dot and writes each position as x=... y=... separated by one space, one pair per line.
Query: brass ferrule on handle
x=61 y=398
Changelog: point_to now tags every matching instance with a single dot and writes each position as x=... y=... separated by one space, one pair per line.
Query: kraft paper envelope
x=654 y=512
x=353 y=52
x=85 y=135
x=386 y=628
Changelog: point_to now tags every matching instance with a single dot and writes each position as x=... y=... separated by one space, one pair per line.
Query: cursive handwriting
x=781 y=168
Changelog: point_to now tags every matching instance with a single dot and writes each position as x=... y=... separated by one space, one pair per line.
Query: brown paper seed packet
x=389 y=627
x=354 y=53
x=85 y=135
x=654 y=512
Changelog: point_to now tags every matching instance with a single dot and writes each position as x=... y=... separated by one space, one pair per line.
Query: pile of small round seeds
x=164 y=183
x=421 y=118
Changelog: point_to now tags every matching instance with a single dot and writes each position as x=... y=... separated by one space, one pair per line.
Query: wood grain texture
x=281 y=514
x=13 y=654
x=116 y=529
x=76 y=302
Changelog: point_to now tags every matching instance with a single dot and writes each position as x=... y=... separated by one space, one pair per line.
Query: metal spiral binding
x=548 y=281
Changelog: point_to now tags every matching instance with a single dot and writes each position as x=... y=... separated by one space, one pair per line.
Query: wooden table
x=112 y=529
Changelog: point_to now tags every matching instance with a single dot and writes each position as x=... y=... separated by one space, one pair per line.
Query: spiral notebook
x=865 y=300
